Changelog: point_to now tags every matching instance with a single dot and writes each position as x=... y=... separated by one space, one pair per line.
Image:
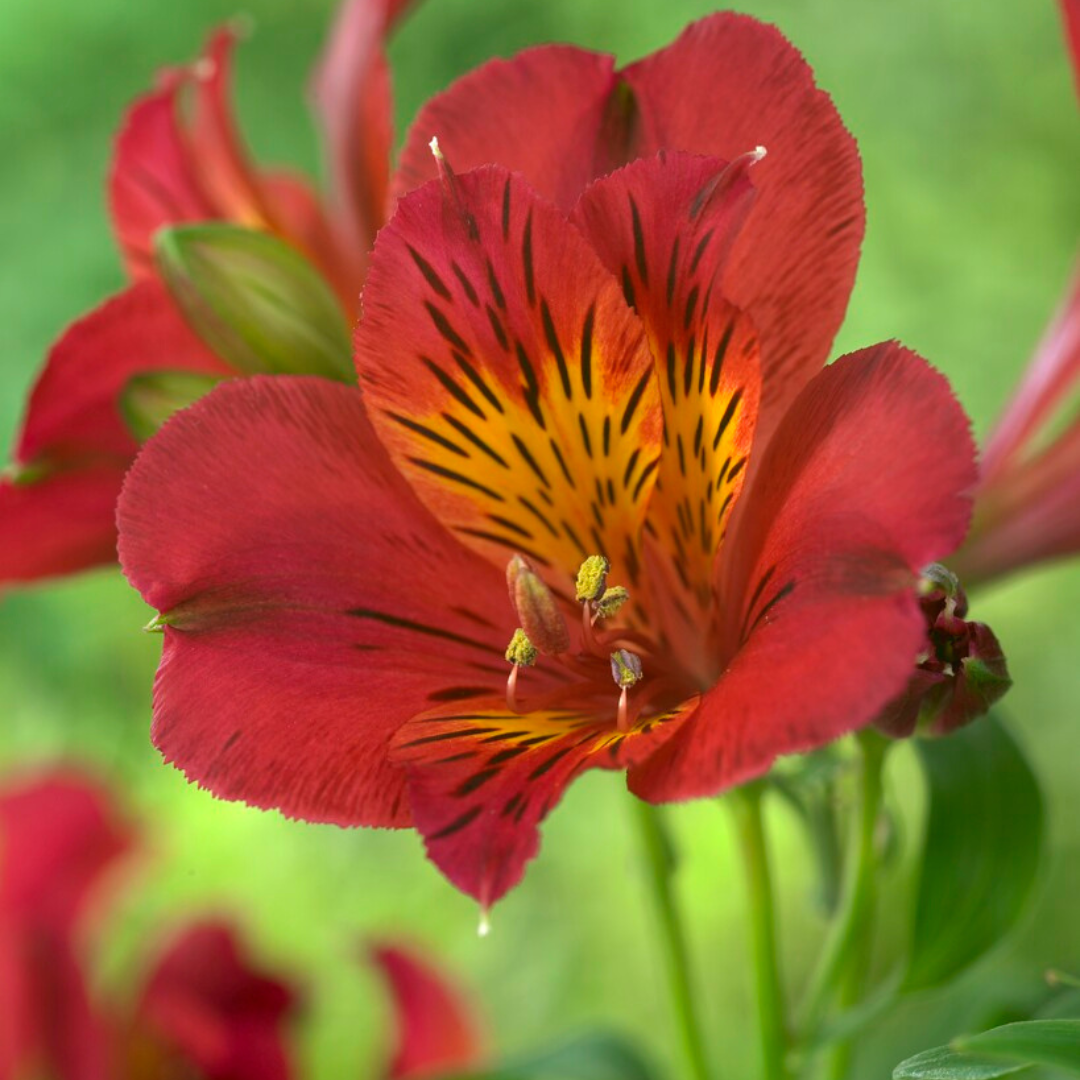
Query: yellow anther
x=625 y=668
x=536 y=607
x=609 y=604
x=521 y=652
x=592 y=578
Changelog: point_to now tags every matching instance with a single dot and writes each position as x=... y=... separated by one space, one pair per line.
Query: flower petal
x=482 y=778
x=352 y=95
x=664 y=227
x=506 y=375
x=208 y=1006
x=311 y=603
x=59 y=834
x=1053 y=373
x=436 y=1032
x=866 y=480
x=58 y=511
x=1070 y=12
x=543 y=113
x=169 y=169
x=728 y=84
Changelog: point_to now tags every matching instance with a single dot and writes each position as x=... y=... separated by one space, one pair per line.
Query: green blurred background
x=969 y=132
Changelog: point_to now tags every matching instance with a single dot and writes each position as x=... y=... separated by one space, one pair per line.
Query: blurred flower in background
x=203 y=1008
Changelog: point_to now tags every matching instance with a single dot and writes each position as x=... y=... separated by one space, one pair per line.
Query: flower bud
x=960 y=676
x=536 y=607
x=149 y=399
x=256 y=301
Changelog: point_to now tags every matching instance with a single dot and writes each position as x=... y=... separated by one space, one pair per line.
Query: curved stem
x=772 y=1023
x=658 y=853
x=837 y=977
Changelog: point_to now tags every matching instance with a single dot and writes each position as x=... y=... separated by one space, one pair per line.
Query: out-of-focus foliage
x=967 y=121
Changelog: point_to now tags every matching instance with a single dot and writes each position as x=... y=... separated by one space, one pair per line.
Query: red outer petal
x=728 y=84
x=168 y=169
x=47 y=1024
x=482 y=778
x=1053 y=373
x=314 y=604
x=865 y=482
x=544 y=113
x=74 y=434
x=507 y=377
x=153 y=181
x=1070 y=12
x=58 y=836
x=207 y=1004
x=436 y=1032
x=352 y=95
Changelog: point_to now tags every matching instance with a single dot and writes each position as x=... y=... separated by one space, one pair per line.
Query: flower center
x=645 y=681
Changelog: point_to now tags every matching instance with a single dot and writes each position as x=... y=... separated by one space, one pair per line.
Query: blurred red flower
x=203 y=1007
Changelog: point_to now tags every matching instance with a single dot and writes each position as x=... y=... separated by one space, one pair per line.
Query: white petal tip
x=484 y=926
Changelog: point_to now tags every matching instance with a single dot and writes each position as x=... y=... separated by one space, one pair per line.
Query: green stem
x=658 y=853
x=769 y=991
x=838 y=976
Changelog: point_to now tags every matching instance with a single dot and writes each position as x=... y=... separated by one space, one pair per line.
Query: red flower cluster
x=202 y=1010
x=202 y=1006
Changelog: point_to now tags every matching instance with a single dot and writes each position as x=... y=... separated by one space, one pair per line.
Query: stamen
x=521 y=652
x=626 y=671
x=537 y=609
x=451 y=188
x=609 y=604
x=591 y=578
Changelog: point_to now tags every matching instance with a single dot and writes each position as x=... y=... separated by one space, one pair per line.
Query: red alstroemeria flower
x=179 y=159
x=329 y=567
x=204 y=1006
x=1027 y=507
x=435 y=1031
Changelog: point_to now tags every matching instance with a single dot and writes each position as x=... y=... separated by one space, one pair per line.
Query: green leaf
x=1055 y=1043
x=256 y=301
x=981 y=851
x=597 y=1056
x=944 y=1063
x=1001 y=1051
x=148 y=400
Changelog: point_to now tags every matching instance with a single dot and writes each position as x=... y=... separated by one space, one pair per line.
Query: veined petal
x=728 y=84
x=866 y=480
x=311 y=603
x=664 y=227
x=436 y=1032
x=507 y=377
x=482 y=778
x=58 y=509
x=544 y=113
x=208 y=1006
